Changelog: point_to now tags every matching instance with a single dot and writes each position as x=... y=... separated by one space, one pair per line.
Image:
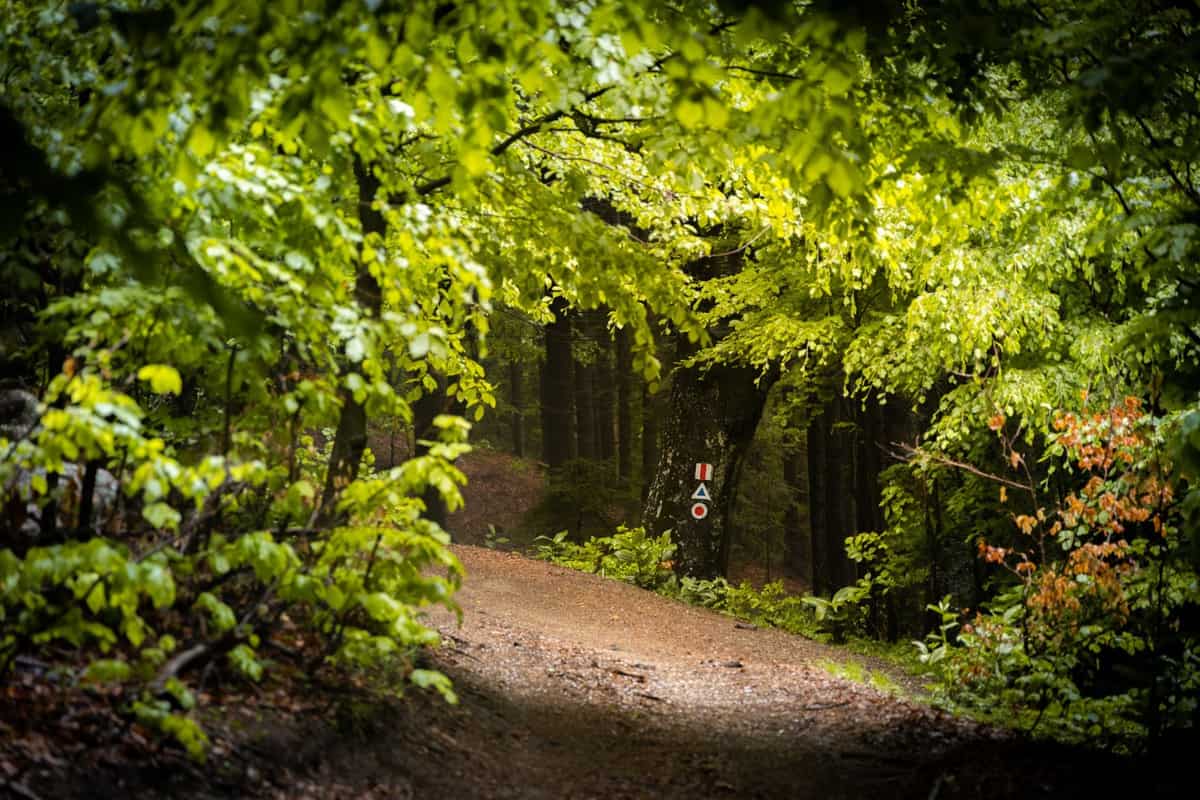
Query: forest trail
x=574 y=686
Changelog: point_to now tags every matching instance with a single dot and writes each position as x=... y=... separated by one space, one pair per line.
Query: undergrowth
x=633 y=556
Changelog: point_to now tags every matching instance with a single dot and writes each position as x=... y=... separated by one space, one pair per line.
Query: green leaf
x=108 y=670
x=222 y=615
x=244 y=660
x=689 y=113
x=163 y=379
x=162 y=516
x=840 y=179
x=432 y=679
x=201 y=142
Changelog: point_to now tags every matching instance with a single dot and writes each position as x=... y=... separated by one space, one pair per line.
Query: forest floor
x=570 y=686
x=574 y=686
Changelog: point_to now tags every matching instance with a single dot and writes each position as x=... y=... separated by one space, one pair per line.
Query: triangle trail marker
x=701 y=493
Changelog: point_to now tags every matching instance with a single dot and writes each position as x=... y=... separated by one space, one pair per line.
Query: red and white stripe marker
x=703 y=472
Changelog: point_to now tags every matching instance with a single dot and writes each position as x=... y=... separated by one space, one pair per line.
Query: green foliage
x=632 y=556
x=1098 y=583
x=237 y=225
x=773 y=607
x=841 y=614
x=628 y=555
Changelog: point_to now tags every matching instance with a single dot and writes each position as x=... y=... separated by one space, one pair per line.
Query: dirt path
x=571 y=686
x=576 y=686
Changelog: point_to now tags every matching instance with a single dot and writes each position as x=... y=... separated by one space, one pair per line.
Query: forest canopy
x=946 y=248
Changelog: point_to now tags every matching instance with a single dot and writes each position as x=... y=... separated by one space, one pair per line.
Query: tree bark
x=869 y=517
x=425 y=409
x=839 y=454
x=604 y=384
x=817 y=508
x=516 y=397
x=624 y=407
x=650 y=431
x=350 y=440
x=796 y=541
x=557 y=388
x=711 y=419
x=585 y=417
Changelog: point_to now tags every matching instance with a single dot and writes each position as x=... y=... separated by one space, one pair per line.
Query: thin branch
x=666 y=193
x=1188 y=190
x=741 y=247
x=908 y=453
x=763 y=73
x=536 y=126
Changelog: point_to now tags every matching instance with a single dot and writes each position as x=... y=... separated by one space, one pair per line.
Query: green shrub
x=629 y=555
x=635 y=557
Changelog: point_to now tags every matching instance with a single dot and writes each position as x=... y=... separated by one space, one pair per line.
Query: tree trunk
x=585 y=415
x=868 y=463
x=604 y=383
x=817 y=509
x=425 y=409
x=624 y=407
x=516 y=397
x=650 y=426
x=839 y=455
x=557 y=388
x=711 y=419
x=796 y=544
x=351 y=438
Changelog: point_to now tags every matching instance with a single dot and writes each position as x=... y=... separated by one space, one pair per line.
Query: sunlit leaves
x=162 y=378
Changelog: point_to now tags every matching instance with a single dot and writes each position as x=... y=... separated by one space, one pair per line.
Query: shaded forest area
x=898 y=301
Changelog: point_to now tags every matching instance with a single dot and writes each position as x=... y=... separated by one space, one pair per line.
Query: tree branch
x=908 y=453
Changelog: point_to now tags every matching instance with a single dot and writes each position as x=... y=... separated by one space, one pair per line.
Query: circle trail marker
x=699 y=511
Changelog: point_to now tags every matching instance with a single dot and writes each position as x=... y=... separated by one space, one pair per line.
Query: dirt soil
x=573 y=686
x=500 y=491
x=579 y=687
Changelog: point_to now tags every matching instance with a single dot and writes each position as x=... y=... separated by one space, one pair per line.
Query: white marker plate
x=701 y=493
x=699 y=511
x=703 y=472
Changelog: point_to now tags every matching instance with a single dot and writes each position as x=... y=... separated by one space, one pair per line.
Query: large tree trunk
x=651 y=410
x=585 y=418
x=796 y=539
x=868 y=463
x=516 y=397
x=425 y=409
x=557 y=388
x=624 y=407
x=711 y=418
x=351 y=438
x=817 y=507
x=604 y=383
x=839 y=492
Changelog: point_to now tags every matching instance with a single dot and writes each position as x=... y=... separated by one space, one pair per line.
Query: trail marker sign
x=701 y=493
x=699 y=511
x=703 y=472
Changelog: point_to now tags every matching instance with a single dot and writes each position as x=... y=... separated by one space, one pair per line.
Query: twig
x=21 y=790
x=665 y=193
x=177 y=663
x=909 y=453
x=739 y=248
